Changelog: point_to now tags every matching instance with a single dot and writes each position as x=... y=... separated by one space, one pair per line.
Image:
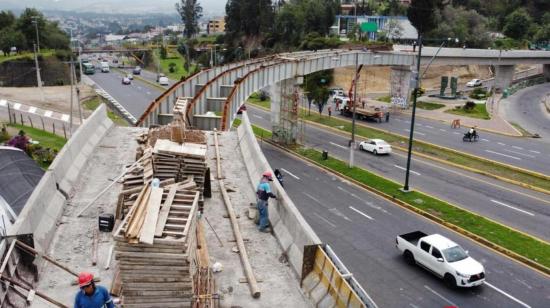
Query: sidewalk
x=495 y=125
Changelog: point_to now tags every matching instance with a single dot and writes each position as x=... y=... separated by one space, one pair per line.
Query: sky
x=210 y=7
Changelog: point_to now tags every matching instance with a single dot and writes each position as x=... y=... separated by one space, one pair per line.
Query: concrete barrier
x=290 y=228
x=45 y=205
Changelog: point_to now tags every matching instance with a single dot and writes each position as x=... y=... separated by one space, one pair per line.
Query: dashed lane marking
x=337 y=145
x=518 y=153
x=325 y=220
x=359 y=212
x=513 y=208
x=501 y=154
x=416 y=132
x=440 y=296
x=290 y=173
x=507 y=295
x=399 y=167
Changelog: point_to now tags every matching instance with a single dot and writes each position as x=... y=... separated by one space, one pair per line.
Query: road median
x=517 y=245
x=497 y=170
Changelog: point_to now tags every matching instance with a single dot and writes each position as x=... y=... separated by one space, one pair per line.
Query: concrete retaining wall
x=290 y=228
x=46 y=203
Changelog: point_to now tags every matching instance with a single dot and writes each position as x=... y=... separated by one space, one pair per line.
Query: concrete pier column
x=546 y=71
x=504 y=74
x=284 y=111
x=400 y=85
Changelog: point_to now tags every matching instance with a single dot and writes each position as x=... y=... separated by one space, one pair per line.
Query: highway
x=362 y=228
x=527 y=153
x=514 y=206
x=527 y=109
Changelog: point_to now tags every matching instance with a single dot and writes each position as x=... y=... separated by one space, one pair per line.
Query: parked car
x=126 y=80
x=137 y=70
x=442 y=257
x=130 y=76
x=163 y=81
x=375 y=146
x=474 y=83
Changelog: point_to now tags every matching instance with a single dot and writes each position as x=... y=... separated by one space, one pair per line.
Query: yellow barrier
x=332 y=283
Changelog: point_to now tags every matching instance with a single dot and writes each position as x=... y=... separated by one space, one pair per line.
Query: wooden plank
x=135 y=222
x=165 y=211
x=147 y=234
x=95 y=243
x=192 y=214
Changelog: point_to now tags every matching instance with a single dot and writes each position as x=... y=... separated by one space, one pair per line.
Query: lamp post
x=352 y=141
x=415 y=94
x=35 y=22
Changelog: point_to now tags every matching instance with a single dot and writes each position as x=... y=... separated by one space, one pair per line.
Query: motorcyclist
x=279 y=176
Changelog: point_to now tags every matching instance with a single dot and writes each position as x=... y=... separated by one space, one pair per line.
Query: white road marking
x=336 y=212
x=257 y=116
x=507 y=295
x=138 y=87
x=485 y=139
x=3 y=102
x=398 y=120
x=342 y=189
x=359 y=212
x=518 y=153
x=48 y=114
x=516 y=158
x=428 y=126
x=313 y=198
x=536 y=152
x=524 y=283
x=32 y=110
x=516 y=147
x=65 y=117
x=501 y=143
x=417 y=132
x=513 y=208
x=325 y=220
x=290 y=173
x=148 y=93
x=440 y=296
x=409 y=122
x=17 y=106
x=443 y=130
x=399 y=167
x=456 y=133
x=418 y=124
x=337 y=145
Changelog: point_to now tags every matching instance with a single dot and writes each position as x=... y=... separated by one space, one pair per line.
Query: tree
x=10 y=38
x=190 y=12
x=26 y=26
x=316 y=88
x=248 y=22
x=517 y=24
x=421 y=13
x=163 y=52
x=7 y=19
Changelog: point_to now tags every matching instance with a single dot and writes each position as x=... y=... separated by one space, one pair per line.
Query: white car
x=375 y=146
x=163 y=81
x=130 y=76
x=474 y=83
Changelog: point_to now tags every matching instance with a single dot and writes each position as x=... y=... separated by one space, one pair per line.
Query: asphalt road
x=362 y=228
x=135 y=97
x=526 y=108
x=527 y=153
x=150 y=76
x=520 y=208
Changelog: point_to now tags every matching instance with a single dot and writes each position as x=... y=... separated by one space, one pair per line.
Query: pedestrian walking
x=90 y=295
x=387 y=116
x=329 y=111
x=337 y=104
x=263 y=193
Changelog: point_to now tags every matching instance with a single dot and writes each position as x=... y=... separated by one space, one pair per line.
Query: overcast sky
x=210 y=7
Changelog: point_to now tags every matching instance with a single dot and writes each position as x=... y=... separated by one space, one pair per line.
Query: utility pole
x=352 y=141
x=38 y=78
x=415 y=94
x=35 y=22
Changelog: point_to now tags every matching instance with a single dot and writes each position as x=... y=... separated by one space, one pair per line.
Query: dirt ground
x=56 y=98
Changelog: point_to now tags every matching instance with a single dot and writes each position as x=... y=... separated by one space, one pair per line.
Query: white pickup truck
x=442 y=257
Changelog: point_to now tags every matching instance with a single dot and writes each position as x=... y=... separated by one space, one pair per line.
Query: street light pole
x=352 y=142
x=35 y=22
x=415 y=94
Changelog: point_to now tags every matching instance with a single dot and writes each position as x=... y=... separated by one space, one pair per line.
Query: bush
x=20 y=141
x=469 y=106
x=478 y=93
x=4 y=136
x=264 y=95
x=63 y=54
x=172 y=67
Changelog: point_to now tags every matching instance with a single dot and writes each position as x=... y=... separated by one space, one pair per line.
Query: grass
x=385 y=99
x=45 y=139
x=255 y=99
x=172 y=56
x=92 y=105
x=433 y=151
x=522 y=130
x=25 y=54
x=491 y=231
x=479 y=112
x=428 y=105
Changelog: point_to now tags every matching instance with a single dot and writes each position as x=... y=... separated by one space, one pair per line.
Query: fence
x=522 y=85
x=51 y=125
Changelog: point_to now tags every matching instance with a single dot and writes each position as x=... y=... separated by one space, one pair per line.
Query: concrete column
x=284 y=116
x=546 y=71
x=400 y=87
x=504 y=74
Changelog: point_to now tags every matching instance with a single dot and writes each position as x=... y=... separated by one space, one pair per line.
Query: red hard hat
x=267 y=174
x=85 y=279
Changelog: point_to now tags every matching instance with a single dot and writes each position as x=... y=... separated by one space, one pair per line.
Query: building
x=216 y=26
x=397 y=28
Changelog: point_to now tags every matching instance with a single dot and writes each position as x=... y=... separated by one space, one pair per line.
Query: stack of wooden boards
x=156 y=246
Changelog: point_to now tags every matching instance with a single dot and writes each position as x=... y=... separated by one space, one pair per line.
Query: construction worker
x=90 y=295
x=263 y=193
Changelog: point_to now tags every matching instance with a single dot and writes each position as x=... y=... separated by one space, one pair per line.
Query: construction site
x=164 y=217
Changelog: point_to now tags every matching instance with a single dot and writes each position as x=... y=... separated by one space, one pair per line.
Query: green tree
x=248 y=21
x=316 y=88
x=517 y=24
x=163 y=52
x=10 y=38
x=421 y=13
x=7 y=19
x=190 y=12
x=26 y=26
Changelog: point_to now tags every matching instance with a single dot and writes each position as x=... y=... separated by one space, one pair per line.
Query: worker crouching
x=263 y=193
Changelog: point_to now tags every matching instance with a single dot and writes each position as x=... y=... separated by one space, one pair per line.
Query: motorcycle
x=470 y=137
x=279 y=177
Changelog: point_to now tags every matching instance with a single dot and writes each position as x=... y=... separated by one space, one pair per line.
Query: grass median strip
x=493 y=232
x=459 y=159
